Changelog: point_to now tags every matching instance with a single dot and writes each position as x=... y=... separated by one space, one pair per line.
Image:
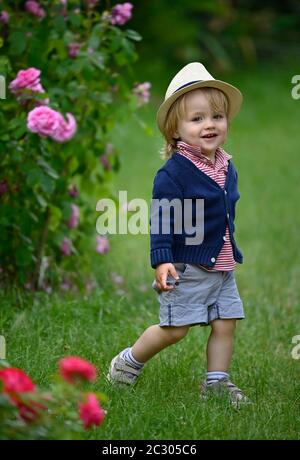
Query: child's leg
x=220 y=345
x=155 y=339
x=128 y=364
x=219 y=352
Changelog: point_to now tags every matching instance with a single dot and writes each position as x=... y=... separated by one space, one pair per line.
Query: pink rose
x=102 y=244
x=15 y=381
x=3 y=186
x=66 y=129
x=142 y=92
x=4 y=17
x=35 y=8
x=66 y=247
x=121 y=13
x=48 y=122
x=73 y=221
x=74 y=49
x=43 y=121
x=90 y=412
x=73 y=368
x=73 y=192
x=27 y=79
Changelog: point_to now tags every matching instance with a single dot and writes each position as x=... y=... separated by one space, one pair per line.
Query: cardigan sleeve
x=166 y=195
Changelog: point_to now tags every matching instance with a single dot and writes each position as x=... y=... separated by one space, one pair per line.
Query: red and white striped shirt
x=217 y=171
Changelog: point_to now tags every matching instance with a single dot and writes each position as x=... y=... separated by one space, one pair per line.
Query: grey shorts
x=200 y=297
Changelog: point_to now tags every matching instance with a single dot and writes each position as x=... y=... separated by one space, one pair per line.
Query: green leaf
x=75 y=19
x=55 y=217
x=5 y=66
x=23 y=255
x=17 y=43
x=59 y=23
x=133 y=35
x=48 y=168
x=41 y=200
x=34 y=177
x=47 y=184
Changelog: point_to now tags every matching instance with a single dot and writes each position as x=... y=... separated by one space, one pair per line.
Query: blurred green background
x=255 y=46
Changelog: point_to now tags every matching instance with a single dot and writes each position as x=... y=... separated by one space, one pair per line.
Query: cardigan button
x=228 y=215
x=212 y=259
x=224 y=238
x=225 y=192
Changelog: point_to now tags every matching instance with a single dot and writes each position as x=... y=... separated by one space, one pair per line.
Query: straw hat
x=193 y=76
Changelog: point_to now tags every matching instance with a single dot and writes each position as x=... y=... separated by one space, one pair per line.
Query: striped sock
x=129 y=358
x=213 y=377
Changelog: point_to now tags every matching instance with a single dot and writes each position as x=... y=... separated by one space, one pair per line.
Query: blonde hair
x=217 y=101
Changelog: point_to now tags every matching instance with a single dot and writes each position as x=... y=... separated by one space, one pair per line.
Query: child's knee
x=174 y=334
x=223 y=326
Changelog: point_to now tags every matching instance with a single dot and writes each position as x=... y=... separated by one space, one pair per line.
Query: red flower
x=73 y=368
x=90 y=412
x=16 y=381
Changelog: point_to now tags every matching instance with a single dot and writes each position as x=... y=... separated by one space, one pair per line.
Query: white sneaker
x=121 y=371
x=225 y=386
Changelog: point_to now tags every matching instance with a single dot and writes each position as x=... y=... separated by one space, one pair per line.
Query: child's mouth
x=209 y=136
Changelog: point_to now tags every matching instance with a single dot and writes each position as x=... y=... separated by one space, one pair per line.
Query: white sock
x=212 y=377
x=128 y=356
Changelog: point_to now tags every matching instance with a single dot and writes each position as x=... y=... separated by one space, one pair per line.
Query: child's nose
x=209 y=122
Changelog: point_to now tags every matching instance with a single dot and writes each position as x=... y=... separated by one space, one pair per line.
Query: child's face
x=199 y=121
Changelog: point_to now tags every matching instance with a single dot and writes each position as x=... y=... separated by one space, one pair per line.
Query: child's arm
x=165 y=192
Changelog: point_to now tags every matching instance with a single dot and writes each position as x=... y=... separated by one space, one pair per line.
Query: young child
x=194 y=119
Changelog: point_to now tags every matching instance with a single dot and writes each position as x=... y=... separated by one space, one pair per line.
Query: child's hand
x=161 y=273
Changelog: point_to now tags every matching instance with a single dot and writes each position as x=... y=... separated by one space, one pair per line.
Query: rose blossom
x=44 y=121
x=4 y=17
x=16 y=381
x=90 y=412
x=121 y=13
x=66 y=247
x=73 y=192
x=3 y=186
x=72 y=367
x=35 y=8
x=142 y=91
x=74 y=49
x=102 y=244
x=66 y=129
x=27 y=79
x=49 y=122
x=73 y=221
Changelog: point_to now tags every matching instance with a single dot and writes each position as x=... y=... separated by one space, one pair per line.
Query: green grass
x=264 y=142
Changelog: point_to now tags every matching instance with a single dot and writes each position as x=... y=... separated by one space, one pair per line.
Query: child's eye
x=197 y=119
x=218 y=116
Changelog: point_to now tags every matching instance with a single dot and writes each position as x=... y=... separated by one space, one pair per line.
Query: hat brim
x=235 y=98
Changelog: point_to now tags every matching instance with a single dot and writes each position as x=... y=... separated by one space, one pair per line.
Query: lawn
x=264 y=143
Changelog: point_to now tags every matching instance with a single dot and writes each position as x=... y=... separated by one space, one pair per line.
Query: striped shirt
x=217 y=171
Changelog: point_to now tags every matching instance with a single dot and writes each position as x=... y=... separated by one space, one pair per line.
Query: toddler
x=194 y=264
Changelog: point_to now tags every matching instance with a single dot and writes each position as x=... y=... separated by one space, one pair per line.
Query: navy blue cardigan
x=179 y=179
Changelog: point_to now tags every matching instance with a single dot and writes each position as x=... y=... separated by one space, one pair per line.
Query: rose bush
x=63 y=412
x=67 y=67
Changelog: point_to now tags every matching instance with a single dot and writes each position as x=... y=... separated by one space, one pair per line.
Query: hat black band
x=187 y=84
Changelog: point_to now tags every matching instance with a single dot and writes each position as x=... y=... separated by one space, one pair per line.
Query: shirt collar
x=193 y=152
